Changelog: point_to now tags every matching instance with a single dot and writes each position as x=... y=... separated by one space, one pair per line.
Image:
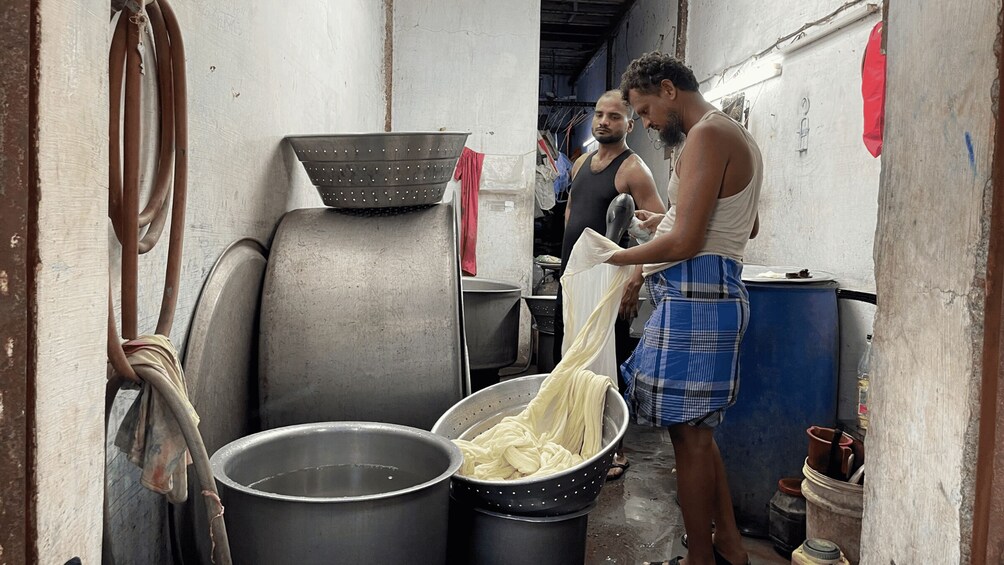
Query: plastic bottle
x=863 y=378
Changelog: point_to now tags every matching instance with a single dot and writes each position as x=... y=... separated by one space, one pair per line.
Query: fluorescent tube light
x=755 y=75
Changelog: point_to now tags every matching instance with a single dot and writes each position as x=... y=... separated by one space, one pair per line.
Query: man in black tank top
x=597 y=178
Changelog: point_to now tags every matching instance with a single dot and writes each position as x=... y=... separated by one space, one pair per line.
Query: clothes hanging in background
x=564 y=176
x=468 y=172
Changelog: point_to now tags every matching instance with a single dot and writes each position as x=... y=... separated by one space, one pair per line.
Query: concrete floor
x=637 y=518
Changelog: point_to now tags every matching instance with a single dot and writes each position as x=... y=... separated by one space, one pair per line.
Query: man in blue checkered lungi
x=684 y=373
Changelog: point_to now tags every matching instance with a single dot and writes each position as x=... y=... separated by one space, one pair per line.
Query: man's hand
x=649 y=220
x=629 y=301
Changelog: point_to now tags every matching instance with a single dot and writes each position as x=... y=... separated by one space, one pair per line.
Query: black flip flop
x=623 y=467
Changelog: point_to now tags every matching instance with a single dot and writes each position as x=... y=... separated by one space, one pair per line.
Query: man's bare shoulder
x=718 y=132
x=578 y=162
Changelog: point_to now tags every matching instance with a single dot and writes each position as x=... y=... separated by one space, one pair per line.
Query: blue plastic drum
x=788 y=382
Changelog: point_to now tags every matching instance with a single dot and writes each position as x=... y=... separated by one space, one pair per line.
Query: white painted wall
x=818 y=208
x=930 y=255
x=472 y=65
x=256 y=71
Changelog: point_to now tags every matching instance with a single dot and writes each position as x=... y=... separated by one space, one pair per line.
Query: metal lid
x=821 y=549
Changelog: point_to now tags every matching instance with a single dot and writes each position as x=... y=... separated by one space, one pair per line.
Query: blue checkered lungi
x=686 y=365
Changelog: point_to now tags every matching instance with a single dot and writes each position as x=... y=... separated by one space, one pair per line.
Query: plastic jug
x=818 y=552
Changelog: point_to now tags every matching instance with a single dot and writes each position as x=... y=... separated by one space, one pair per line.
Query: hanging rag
x=150 y=435
x=873 y=91
x=468 y=172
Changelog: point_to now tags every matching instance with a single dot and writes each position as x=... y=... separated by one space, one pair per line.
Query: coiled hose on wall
x=126 y=65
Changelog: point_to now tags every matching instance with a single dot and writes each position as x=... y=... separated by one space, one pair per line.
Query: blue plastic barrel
x=788 y=382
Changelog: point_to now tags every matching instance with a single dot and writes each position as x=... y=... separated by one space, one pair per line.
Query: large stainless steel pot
x=491 y=322
x=360 y=318
x=337 y=492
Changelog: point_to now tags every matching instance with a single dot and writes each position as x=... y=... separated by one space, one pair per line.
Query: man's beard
x=672 y=133
x=608 y=138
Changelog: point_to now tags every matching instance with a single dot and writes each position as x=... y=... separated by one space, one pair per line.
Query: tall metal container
x=788 y=366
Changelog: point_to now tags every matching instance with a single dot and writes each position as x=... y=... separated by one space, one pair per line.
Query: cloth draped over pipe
x=150 y=435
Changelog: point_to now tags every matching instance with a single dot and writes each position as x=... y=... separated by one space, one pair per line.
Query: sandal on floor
x=673 y=561
x=623 y=467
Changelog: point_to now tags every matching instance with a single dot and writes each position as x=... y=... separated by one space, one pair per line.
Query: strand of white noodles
x=563 y=425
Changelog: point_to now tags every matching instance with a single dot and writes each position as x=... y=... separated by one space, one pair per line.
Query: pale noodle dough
x=563 y=425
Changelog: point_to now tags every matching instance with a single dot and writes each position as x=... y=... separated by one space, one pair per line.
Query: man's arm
x=641 y=187
x=701 y=170
x=756 y=226
x=571 y=176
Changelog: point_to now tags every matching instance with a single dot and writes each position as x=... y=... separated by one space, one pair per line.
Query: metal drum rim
x=537 y=480
x=226 y=452
x=513 y=286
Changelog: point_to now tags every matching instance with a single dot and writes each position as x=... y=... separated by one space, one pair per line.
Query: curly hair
x=645 y=73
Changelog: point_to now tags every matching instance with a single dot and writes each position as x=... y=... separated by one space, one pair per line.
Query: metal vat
x=360 y=318
x=483 y=537
x=337 y=492
x=491 y=322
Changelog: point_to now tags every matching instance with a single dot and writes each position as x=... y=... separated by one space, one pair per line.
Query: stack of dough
x=563 y=425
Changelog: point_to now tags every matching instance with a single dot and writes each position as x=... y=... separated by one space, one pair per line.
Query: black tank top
x=591 y=193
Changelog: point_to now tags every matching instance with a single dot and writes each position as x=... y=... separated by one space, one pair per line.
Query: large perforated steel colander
x=379 y=170
x=553 y=495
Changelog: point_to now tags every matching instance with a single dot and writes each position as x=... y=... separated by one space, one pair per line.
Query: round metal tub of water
x=491 y=322
x=337 y=492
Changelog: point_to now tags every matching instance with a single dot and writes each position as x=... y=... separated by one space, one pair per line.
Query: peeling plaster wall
x=930 y=256
x=256 y=71
x=472 y=65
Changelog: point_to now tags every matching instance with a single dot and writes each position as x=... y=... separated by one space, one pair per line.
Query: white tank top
x=732 y=220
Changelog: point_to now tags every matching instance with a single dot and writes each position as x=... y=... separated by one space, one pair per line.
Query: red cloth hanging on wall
x=873 y=91
x=468 y=172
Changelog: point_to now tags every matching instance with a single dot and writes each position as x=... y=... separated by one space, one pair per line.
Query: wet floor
x=637 y=518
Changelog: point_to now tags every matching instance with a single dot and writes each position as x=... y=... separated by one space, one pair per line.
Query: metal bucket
x=553 y=495
x=482 y=537
x=491 y=322
x=337 y=492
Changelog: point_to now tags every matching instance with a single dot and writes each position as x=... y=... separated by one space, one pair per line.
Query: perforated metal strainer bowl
x=553 y=495
x=543 y=309
x=379 y=170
